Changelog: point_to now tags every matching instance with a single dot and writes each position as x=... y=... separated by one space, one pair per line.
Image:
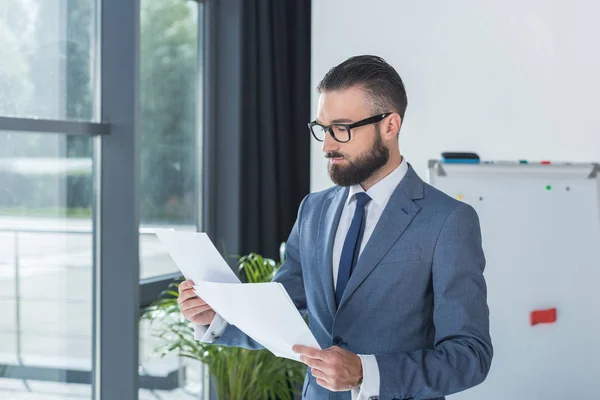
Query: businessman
x=389 y=269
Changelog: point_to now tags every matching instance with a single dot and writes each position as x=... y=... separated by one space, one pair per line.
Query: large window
x=170 y=135
x=170 y=175
x=48 y=71
x=48 y=52
x=46 y=263
x=76 y=167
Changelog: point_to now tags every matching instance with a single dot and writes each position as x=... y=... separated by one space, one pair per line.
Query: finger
x=186 y=295
x=314 y=363
x=195 y=299
x=182 y=286
x=202 y=316
x=186 y=288
x=331 y=356
x=317 y=373
x=323 y=383
x=185 y=285
x=199 y=305
x=308 y=351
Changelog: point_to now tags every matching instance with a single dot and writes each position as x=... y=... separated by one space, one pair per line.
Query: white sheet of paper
x=263 y=311
x=196 y=256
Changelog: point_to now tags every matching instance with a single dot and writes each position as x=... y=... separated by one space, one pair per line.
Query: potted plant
x=239 y=374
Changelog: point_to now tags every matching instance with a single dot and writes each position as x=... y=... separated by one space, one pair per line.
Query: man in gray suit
x=389 y=269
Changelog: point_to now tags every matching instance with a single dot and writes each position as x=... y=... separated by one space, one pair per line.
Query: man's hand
x=193 y=307
x=336 y=369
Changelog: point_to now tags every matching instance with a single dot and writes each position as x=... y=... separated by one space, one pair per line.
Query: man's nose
x=329 y=143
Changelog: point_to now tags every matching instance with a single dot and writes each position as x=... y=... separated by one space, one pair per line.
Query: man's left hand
x=336 y=369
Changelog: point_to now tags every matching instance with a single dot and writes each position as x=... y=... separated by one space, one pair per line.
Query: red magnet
x=543 y=316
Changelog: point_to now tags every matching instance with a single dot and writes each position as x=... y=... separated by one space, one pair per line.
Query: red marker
x=543 y=316
x=545 y=163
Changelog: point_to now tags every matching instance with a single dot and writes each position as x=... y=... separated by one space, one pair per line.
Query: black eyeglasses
x=341 y=132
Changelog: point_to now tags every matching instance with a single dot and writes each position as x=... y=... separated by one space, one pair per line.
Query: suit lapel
x=330 y=218
x=396 y=217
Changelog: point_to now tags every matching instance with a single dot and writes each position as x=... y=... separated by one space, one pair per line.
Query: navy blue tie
x=351 y=248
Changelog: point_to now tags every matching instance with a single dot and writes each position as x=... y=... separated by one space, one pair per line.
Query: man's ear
x=392 y=126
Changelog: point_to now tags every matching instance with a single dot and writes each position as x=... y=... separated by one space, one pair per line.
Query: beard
x=357 y=171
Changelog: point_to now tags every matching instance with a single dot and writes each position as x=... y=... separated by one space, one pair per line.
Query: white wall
x=507 y=79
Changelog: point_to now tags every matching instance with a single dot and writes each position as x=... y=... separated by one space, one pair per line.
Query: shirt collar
x=381 y=192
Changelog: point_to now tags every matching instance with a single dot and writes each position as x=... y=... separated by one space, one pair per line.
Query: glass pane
x=46 y=259
x=169 y=172
x=170 y=134
x=49 y=63
x=169 y=377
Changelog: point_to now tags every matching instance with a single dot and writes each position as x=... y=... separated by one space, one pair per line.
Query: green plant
x=239 y=374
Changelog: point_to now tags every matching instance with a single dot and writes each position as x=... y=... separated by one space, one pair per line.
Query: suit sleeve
x=289 y=275
x=462 y=352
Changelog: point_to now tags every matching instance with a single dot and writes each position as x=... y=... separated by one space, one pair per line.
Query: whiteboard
x=507 y=78
x=541 y=237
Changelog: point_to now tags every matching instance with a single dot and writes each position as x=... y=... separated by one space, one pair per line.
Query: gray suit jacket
x=417 y=298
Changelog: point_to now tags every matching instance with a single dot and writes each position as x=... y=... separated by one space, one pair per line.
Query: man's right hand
x=192 y=307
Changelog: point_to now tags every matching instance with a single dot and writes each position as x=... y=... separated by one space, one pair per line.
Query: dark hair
x=374 y=75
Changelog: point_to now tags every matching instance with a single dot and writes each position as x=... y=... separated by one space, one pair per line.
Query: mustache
x=334 y=154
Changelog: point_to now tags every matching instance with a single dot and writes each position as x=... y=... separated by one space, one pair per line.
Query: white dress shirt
x=380 y=194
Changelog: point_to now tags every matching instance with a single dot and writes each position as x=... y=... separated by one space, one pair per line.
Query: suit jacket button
x=337 y=341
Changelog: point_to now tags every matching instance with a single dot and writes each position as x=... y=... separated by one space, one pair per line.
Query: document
x=196 y=256
x=264 y=311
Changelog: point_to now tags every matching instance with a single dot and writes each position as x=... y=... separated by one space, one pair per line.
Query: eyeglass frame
x=367 y=121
